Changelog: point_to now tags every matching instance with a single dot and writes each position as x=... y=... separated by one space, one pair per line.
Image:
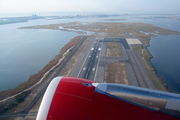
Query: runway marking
x=84 y=60
x=98 y=63
x=86 y=75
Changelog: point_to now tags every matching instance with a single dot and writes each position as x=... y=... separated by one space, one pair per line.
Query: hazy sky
x=141 y=6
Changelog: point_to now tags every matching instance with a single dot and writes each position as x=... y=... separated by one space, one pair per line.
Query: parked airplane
x=70 y=98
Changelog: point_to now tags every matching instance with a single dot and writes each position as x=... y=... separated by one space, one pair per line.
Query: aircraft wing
x=70 y=98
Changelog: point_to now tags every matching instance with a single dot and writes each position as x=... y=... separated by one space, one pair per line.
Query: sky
x=94 y=6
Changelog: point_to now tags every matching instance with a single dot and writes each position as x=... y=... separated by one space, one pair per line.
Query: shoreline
x=36 y=78
x=13 y=105
x=109 y=29
x=42 y=78
x=154 y=70
x=159 y=78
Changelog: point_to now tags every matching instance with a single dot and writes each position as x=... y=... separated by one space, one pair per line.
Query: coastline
x=162 y=82
x=108 y=30
x=36 y=78
x=21 y=103
x=12 y=22
x=144 y=31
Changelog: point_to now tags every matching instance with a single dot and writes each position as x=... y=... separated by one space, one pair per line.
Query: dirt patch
x=116 y=73
x=113 y=50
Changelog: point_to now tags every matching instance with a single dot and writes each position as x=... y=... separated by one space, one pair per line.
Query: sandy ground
x=116 y=73
x=113 y=50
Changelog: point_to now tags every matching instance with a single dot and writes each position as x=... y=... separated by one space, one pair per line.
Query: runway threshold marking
x=86 y=75
x=85 y=60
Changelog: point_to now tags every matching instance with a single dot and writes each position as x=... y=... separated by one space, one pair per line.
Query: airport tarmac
x=92 y=63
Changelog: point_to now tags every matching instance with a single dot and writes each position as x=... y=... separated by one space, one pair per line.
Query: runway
x=91 y=64
x=87 y=64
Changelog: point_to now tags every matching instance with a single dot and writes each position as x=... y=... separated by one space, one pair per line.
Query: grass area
x=113 y=50
x=18 y=99
x=147 y=56
x=158 y=87
x=111 y=29
x=116 y=73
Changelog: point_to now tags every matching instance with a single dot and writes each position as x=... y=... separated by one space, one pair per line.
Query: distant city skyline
x=90 y=6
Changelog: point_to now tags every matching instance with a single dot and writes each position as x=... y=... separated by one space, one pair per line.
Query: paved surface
x=132 y=41
x=19 y=115
x=142 y=69
x=87 y=65
x=136 y=72
x=83 y=60
x=91 y=64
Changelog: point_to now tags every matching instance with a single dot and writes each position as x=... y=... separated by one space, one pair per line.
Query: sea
x=24 y=52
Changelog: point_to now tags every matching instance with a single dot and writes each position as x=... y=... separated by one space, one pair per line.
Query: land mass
x=142 y=31
x=111 y=29
x=100 y=29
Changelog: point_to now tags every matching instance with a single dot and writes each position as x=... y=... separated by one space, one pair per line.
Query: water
x=23 y=52
x=164 y=49
x=166 y=59
x=166 y=53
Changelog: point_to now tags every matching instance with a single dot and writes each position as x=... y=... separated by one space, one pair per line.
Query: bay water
x=24 y=52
